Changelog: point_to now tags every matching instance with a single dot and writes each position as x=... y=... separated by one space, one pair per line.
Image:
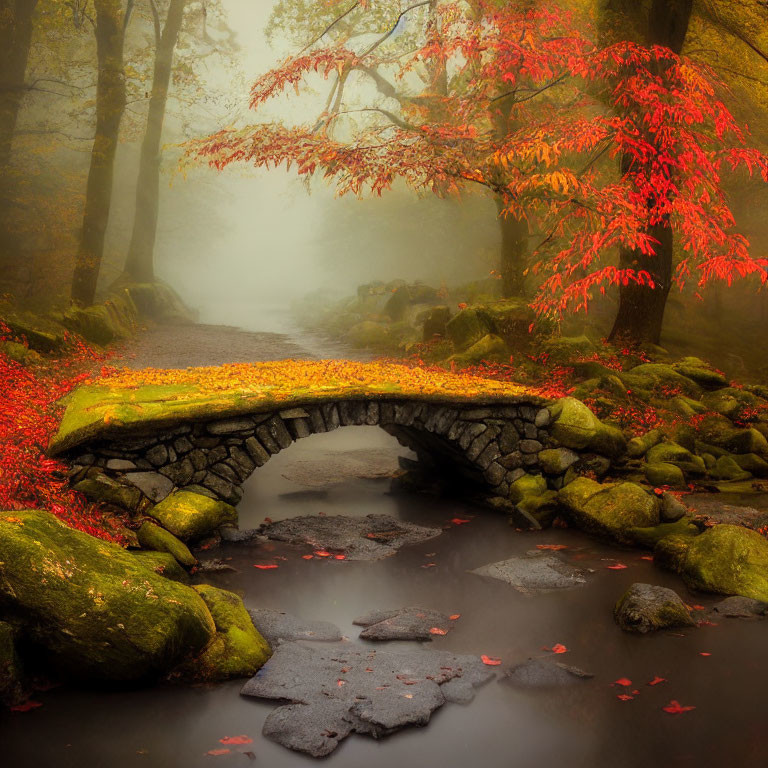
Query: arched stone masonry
x=492 y=445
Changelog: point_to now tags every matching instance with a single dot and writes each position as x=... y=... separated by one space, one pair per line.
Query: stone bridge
x=193 y=429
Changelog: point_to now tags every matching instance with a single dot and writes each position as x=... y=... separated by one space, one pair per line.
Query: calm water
x=585 y=725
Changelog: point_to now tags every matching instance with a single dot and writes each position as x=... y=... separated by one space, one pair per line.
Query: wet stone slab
x=277 y=627
x=412 y=623
x=360 y=538
x=539 y=673
x=341 y=689
x=535 y=572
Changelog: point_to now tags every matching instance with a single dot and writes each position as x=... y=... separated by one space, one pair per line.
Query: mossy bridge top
x=153 y=431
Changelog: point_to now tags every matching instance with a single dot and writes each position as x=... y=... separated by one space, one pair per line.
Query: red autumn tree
x=557 y=159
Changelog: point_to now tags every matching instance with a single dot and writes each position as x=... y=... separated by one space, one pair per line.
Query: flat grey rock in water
x=412 y=623
x=538 y=673
x=741 y=608
x=535 y=573
x=233 y=535
x=359 y=538
x=337 y=690
x=277 y=627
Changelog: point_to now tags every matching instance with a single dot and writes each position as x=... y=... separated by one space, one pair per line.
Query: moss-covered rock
x=672 y=453
x=435 y=322
x=566 y=348
x=11 y=672
x=152 y=536
x=662 y=473
x=490 y=348
x=369 y=335
x=237 y=650
x=703 y=374
x=663 y=375
x=466 y=327
x=647 y=608
x=41 y=334
x=687 y=406
x=99 y=612
x=542 y=508
x=725 y=559
x=190 y=515
x=105 y=490
x=527 y=485
x=609 y=509
x=727 y=469
x=19 y=353
x=100 y=323
x=162 y=563
x=638 y=446
x=649 y=537
x=752 y=463
x=555 y=461
x=729 y=402
x=720 y=432
x=575 y=426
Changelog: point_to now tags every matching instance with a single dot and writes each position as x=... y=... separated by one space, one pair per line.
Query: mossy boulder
x=11 y=673
x=673 y=453
x=527 y=485
x=19 y=353
x=647 y=608
x=162 y=563
x=663 y=473
x=575 y=426
x=725 y=559
x=490 y=348
x=105 y=490
x=555 y=461
x=687 y=406
x=101 y=323
x=97 y=610
x=466 y=327
x=752 y=463
x=638 y=446
x=727 y=469
x=543 y=508
x=41 y=334
x=237 y=650
x=658 y=375
x=152 y=536
x=720 y=432
x=609 y=509
x=190 y=515
x=566 y=348
x=729 y=402
x=649 y=537
x=703 y=374
x=435 y=322
x=369 y=335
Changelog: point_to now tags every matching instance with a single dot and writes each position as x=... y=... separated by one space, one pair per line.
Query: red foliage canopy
x=568 y=108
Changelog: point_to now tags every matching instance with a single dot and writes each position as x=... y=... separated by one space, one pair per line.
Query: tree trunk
x=140 y=262
x=514 y=248
x=110 y=104
x=15 y=41
x=641 y=308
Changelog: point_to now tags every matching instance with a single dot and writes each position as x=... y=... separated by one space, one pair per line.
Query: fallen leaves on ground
x=624 y=697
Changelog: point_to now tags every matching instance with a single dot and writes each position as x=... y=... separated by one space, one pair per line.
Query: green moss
x=703 y=374
x=609 y=509
x=105 y=490
x=648 y=608
x=672 y=453
x=575 y=426
x=490 y=348
x=369 y=335
x=661 y=374
x=649 y=537
x=162 y=563
x=727 y=469
x=99 y=612
x=466 y=327
x=19 y=353
x=152 y=536
x=565 y=348
x=237 y=650
x=725 y=559
x=662 y=473
x=190 y=515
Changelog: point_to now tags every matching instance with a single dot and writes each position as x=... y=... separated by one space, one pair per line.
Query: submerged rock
x=98 y=610
x=726 y=559
x=536 y=572
x=539 y=673
x=278 y=627
x=412 y=623
x=741 y=608
x=645 y=608
x=337 y=690
x=190 y=515
x=359 y=538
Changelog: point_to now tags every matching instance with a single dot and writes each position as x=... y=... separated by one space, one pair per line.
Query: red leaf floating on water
x=459 y=521
x=704 y=653
x=428 y=565
x=656 y=680
x=217 y=752
x=646 y=557
x=339 y=557
x=455 y=616
x=236 y=740
x=553 y=547
x=698 y=608
x=675 y=708
x=437 y=631
x=307 y=557
x=557 y=648
x=624 y=697
x=266 y=567
x=616 y=567
x=322 y=553
x=490 y=661
x=267 y=519
x=27 y=706
x=625 y=681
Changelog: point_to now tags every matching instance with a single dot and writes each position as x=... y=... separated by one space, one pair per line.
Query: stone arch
x=491 y=445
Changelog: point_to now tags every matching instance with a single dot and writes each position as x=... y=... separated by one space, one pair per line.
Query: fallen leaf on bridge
x=307 y=557
x=321 y=553
x=624 y=697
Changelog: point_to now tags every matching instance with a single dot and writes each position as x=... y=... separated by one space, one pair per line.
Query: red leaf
x=217 y=752
x=624 y=697
x=266 y=567
x=625 y=681
x=675 y=708
x=616 y=567
x=428 y=565
x=437 y=631
x=490 y=660
x=307 y=557
x=558 y=648
x=236 y=740
x=656 y=680
x=704 y=653
x=553 y=547
x=647 y=557
x=322 y=553
x=27 y=706
x=339 y=557
x=459 y=521
x=454 y=616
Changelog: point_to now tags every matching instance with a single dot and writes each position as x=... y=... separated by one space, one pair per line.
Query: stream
x=349 y=472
